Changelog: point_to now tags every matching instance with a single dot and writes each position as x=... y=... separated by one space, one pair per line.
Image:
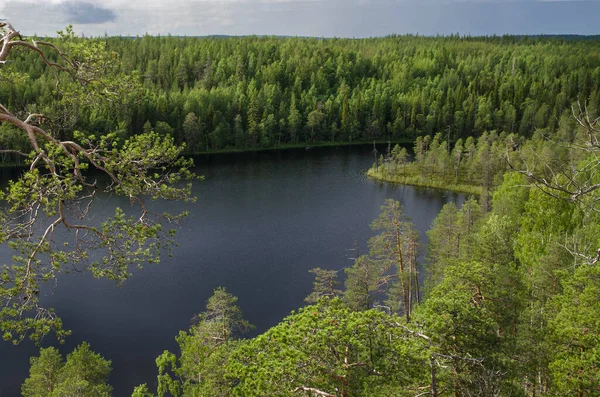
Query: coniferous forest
x=507 y=301
x=244 y=93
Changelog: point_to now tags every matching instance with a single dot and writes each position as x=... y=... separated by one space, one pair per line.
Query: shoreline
x=287 y=146
x=422 y=182
x=305 y=145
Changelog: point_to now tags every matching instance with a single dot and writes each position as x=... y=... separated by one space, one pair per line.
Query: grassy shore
x=417 y=180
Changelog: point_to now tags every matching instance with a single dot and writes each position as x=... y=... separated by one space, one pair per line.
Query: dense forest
x=511 y=297
x=260 y=92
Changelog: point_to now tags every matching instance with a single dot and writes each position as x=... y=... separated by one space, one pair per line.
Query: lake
x=261 y=221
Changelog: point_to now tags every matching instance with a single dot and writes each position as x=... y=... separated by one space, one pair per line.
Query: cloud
x=342 y=18
x=87 y=13
x=57 y=12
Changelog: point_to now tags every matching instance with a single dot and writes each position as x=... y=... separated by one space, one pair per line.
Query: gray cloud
x=341 y=18
x=86 y=13
x=45 y=18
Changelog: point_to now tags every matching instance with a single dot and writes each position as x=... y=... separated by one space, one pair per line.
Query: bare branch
x=415 y=333
x=14 y=152
x=313 y=390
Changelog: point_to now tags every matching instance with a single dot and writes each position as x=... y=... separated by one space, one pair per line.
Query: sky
x=321 y=18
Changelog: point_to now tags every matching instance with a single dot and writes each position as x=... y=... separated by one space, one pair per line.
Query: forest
x=510 y=296
x=242 y=93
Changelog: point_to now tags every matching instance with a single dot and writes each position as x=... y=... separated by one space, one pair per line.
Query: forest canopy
x=257 y=92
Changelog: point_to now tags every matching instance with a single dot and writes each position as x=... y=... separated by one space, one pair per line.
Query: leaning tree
x=46 y=213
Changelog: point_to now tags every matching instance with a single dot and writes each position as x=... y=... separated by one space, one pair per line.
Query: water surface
x=262 y=220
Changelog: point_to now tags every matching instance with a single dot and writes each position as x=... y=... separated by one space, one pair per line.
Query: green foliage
x=330 y=348
x=84 y=374
x=452 y=238
x=365 y=280
x=67 y=170
x=470 y=327
x=444 y=242
x=141 y=391
x=324 y=89
x=396 y=247
x=390 y=269
x=43 y=374
x=477 y=166
x=205 y=351
x=325 y=284
x=575 y=334
x=511 y=196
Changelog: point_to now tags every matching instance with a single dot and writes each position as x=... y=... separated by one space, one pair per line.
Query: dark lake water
x=262 y=220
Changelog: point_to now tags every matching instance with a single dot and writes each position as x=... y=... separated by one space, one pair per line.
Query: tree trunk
x=434 y=391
